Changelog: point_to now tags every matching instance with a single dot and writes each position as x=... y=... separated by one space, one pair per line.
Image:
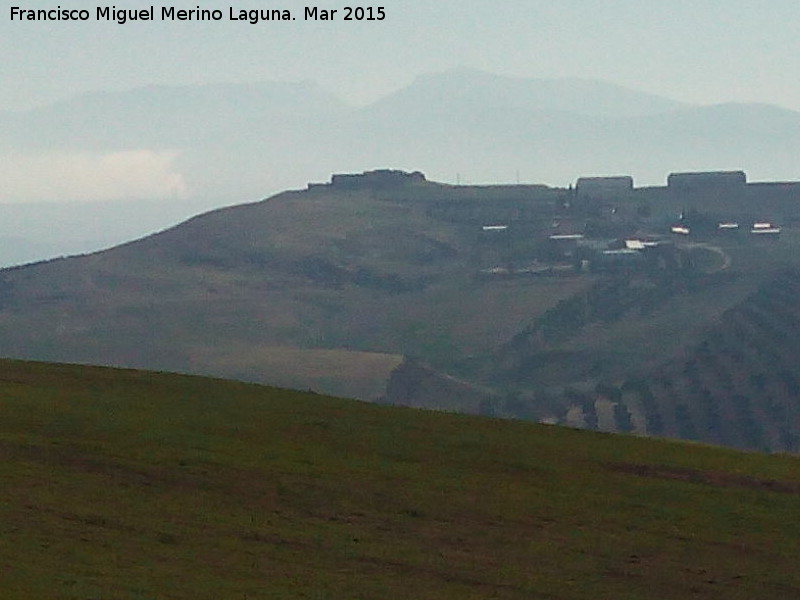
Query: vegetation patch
x=130 y=484
x=709 y=478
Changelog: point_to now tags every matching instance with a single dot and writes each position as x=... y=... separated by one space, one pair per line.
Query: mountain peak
x=464 y=87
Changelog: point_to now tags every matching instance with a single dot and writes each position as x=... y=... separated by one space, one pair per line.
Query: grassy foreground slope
x=126 y=484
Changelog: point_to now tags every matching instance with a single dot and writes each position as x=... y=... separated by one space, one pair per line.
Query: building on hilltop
x=378 y=179
x=604 y=188
x=699 y=181
x=382 y=178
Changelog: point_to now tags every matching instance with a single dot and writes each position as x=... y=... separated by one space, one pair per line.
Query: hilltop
x=206 y=146
x=131 y=484
x=524 y=301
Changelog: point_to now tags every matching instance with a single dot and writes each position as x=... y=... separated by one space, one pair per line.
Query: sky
x=695 y=51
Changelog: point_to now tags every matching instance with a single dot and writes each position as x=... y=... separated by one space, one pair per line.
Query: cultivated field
x=130 y=485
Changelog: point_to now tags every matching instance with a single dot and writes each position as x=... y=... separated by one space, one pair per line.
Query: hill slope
x=362 y=273
x=330 y=287
x=132 y=484
x=715 y=363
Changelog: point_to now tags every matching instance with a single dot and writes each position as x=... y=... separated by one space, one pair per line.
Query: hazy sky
x=699 y=51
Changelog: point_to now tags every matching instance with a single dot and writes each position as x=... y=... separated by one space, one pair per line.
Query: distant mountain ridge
x=469 y=89
x=224 y=144
x=163 y=115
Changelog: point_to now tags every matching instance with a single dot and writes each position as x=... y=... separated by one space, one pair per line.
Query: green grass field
x=126 y=484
